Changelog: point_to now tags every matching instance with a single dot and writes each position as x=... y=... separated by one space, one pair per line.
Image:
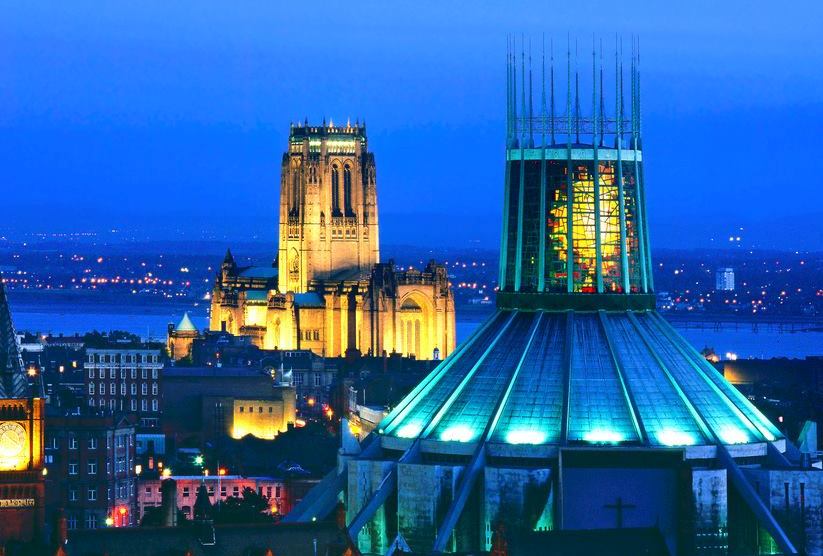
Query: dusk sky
x=169 y=117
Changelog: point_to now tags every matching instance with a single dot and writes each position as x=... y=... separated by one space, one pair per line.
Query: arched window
x=295 y=191
x=347 y=190
x=335 y=191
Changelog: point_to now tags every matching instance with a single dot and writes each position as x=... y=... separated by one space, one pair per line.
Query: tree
x=248 y=508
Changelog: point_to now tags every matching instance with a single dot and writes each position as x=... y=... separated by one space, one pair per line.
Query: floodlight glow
x=671 y=437
x=525 y=437
x=603 y=436
x=411 y=430
x=733 y=435
x=458 y=433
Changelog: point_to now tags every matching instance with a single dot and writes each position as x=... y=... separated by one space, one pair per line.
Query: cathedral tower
x=328 y=206
x=576 y=406
x=22 y=512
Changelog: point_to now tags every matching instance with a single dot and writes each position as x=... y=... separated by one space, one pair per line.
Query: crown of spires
x=13 y=382
x=573 y=126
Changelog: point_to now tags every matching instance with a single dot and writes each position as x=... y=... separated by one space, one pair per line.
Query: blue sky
x=170 y=117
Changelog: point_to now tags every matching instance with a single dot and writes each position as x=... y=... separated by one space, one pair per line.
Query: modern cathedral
x=327 y=291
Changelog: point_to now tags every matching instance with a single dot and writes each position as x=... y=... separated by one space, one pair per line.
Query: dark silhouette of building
x=22 y=497
x=90 y=455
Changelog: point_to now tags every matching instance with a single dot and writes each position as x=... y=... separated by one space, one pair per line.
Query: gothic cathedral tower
x=22 y=512
x=328 y=207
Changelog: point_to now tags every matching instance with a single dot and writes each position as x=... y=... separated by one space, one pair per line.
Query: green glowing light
x=671 y=437
x=198 y=460
x=603 y=436
x=525 y=437
x=733 y=435
x=458 y=433
x=410 y=430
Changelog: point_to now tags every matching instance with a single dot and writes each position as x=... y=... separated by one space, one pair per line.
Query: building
x=328 y=291
x=312 y=376
x=90 y=455
x=22 y=497
x=181 y=338
x=219 y=488
x=724 y=279
x=126 y=380
x=576 y=406
x=204 y=404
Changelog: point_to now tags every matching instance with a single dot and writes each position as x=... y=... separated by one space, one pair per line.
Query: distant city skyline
x=164 y=119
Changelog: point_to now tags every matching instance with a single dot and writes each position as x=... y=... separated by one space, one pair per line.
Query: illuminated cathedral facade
x=327 y=291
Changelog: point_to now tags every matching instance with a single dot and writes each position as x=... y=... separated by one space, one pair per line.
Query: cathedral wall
x=520 y=499
x=795 y=498
x=364 y=478
x=425 y=493
x=709 y=518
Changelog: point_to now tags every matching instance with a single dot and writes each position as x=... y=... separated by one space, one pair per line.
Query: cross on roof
x=619 y=506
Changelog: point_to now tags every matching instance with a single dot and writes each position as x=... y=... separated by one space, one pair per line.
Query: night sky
x=169 y=118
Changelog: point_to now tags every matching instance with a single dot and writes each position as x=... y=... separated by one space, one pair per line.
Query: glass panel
x=421 y=411
x=511 y=231
x=556 y=226
x=766 y=428
x=610 y=228
x=534 y=411
x=531 y=227
x=583 y=229
x=598 y=411
x=469 y=414
x=665 y=416
x=722 y=419
x=632 y=223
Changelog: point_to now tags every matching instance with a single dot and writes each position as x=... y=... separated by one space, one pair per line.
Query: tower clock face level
x=13 y=440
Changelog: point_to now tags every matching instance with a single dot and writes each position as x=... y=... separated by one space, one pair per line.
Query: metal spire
x=543 y=93
x=514 y=92
x=594 y=94
x=552 y=89
x=13 y=382
x=523 y=82
x=576 y=97
x=508 y=91
x=568 y=91
x=531 y=106
x=602 y=101
x=639 y=106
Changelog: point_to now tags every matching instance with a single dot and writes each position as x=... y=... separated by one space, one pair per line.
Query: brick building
x=126 y=380
x=219 y=488
x=90 y=462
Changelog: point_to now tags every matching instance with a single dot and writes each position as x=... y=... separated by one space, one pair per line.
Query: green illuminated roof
x=185 y=324
x=569 y=378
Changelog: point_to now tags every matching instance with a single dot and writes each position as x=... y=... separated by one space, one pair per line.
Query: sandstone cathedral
x=327 y=291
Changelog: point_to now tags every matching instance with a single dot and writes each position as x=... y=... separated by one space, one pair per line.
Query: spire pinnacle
x=13 y=382
x=576 y=96
x=543 y=92
x=531 y=106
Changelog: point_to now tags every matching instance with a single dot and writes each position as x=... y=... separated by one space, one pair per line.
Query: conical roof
x=13 y=383
x=543 y=378
x=576 y=354
x=185 y=324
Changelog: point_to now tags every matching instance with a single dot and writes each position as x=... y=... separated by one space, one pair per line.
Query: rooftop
x=529 y=379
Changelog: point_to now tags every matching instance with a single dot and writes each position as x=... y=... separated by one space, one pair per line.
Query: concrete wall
x=795 y=498
x=520 y=499
x=706 y=528
x=363 y=480
x=425 y=493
